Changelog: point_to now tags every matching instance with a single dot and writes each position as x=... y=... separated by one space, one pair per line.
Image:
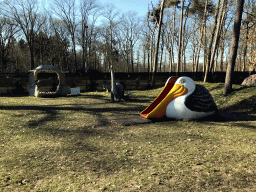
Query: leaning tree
x=234 y=47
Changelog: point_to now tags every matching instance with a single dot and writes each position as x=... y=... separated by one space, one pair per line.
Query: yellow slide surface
x=158 y=107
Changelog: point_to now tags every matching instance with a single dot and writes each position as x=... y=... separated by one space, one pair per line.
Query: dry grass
x=73 y=144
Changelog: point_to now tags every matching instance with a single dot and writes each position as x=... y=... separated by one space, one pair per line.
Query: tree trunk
x=211 y=40
x=84 y=44
x=217 y=38
x=199 y=48
x=132 y=63
x=162 y=51
x=193 y=52
x=180 y=39
x=204 y=31
x=74 y=50
x=184 y=48
x=1 y=56
x=157 y=43
x=31 y=48
x=148 y=61
x=221 y=55
x=233 y=48
x=172 y=41
x=144 y=60
x=151 y=49
x=245 y=47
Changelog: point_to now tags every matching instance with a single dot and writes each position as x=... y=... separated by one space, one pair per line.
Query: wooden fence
x=19 y=83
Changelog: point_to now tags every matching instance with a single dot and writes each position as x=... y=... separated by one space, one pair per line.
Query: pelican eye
x=182 y=81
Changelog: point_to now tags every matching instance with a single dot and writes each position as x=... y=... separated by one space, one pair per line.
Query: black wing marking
x=200 y=100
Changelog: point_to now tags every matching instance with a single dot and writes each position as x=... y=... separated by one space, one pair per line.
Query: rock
x=251 y=80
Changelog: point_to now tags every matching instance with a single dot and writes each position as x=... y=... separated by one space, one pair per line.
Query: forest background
x=188 y=36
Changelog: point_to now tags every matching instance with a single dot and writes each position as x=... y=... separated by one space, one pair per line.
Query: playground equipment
x=117 y=89
x=61 y=89
x=181 y=98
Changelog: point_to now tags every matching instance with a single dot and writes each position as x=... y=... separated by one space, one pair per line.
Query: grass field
x=75 y=144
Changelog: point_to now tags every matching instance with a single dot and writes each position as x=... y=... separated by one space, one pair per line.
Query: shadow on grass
x=51 y=111
x=95 y=108
x=96 y=96
x=234 y=90
x=215 y=87
x=244 y=110
x=13 y=95
x=51 y=115
x=133 y=99
x=221 y=116
x=100 y=159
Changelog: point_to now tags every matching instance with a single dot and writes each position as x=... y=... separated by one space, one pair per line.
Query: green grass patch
x=74 y=144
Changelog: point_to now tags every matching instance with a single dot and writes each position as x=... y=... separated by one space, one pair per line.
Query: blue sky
x=140 y=6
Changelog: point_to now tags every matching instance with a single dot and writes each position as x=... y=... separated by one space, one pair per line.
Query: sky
x=140 y=6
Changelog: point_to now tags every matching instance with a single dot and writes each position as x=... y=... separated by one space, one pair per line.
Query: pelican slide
x=157 y=109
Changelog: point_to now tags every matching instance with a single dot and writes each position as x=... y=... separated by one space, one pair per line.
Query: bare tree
x=130 y=23
x=180 y=37
x=173 y=36
x=158 y=40
x=25 y=15
x=157 y=17
x=152 y=31
x=7 y=32
x=185 y=36
x=202 y=9
x=170 y=35
x=66 y=10
x=216 y=31
x=221 y=23
x=193 y=47
x=111 y=14
x=58 y=28
x=87 y=8
x=145 y=43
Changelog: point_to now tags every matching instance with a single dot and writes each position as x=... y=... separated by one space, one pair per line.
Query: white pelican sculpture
x=181 y=99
